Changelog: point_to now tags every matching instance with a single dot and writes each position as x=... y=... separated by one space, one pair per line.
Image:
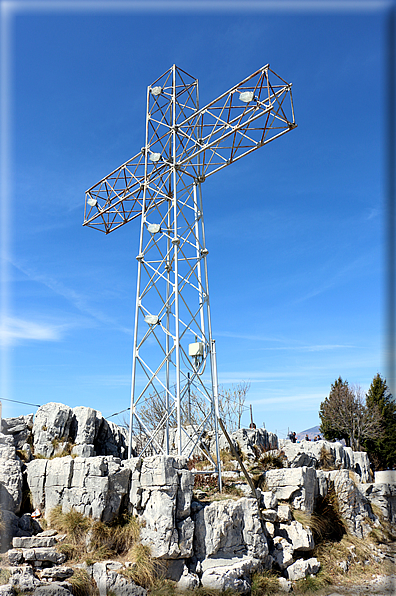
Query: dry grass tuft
x=5 y=575
x=312 y=584
x=93 y=540
x=82 y=584
x=265 y=583
x=73 y=523
x=144 y=569
x=326 y=459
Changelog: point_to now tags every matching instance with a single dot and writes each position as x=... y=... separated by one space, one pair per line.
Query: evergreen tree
x=345 y=415
x=382 y=451
x=329 y=428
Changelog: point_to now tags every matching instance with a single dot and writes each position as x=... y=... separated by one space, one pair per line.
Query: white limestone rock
x=56 y=573
x=7 y=590
x=160 y=495
x=250 y=442
x=382 y=496
x=269 y=499
x=19 y=428
x=284 y=513
x=301 y=568
x=95 y=486
x=308 y=453
x=354 y=506
x=51 y=424
x=85 y=425
x=108 y=579
x=33 y=542
x=10 y=476
x=285 y=585
x=187 y=581
x=301 y=538
x=299 y=485
x=53 y=589
x=229 y=528
x=282 y=553
x=23 y=578
x=83 y=451
x=233 y=573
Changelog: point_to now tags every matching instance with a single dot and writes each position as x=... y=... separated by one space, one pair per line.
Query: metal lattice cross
x=174 y=395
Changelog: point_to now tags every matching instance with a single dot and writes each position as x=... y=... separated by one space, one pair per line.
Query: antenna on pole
x=174 y=355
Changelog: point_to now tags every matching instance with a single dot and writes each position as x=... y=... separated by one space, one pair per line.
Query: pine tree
x=382 y=452
x=330 y=430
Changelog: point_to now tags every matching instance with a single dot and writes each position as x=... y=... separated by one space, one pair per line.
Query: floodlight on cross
x=174 y=390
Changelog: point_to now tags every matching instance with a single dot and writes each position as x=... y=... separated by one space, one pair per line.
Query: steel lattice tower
x=173 y=349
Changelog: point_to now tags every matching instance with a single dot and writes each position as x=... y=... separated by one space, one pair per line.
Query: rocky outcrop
x=94 y=486
x=57 y=426
x=19 y=429
x=308 y=453
x=160 y=495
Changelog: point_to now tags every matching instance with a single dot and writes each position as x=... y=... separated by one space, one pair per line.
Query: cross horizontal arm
x=241 y=120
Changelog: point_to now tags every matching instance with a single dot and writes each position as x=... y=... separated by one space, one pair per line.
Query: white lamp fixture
x=92 y=202
x=154 y=228
x=154 y=157
x=156 y=91
x=151 y=319
x=246 y=96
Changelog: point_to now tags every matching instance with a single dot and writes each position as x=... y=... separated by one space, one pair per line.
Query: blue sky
x=295 y=230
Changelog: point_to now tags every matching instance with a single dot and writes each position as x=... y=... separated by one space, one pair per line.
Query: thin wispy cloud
x=313 y=348
x=78 y=300
x=14 y=330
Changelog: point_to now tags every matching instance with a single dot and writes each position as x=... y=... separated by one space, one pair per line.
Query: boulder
x=51 y=425
x=301 y=568
x=56 y=573
x=19 y=428
x=85 y=425
x=382 y=497
x=300 y=538
x=23 y=578
x=53 y=589
x=111 y=439
x=108 y=580
x=7 y=590
x=229 y=528
x=354 y=506
x=248 y=441
x=282 y=553
x=187 y=581
x=33 y=542
x=296 y=485
x=10 y=476
x=230 y=573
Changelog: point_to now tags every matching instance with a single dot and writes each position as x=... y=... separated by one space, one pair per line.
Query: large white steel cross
x=174 y=393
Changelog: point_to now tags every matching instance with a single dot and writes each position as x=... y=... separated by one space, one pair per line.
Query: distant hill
x=311 y=432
